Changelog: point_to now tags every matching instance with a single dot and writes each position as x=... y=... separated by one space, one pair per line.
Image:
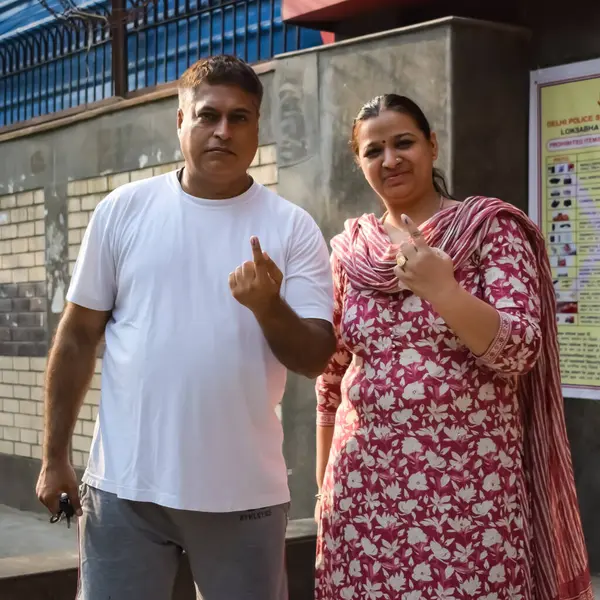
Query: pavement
x=26 y=533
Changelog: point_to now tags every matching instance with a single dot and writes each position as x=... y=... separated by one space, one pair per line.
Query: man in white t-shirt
x=207 y=287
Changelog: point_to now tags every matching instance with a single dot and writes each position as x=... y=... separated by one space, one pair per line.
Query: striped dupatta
x=560 y=569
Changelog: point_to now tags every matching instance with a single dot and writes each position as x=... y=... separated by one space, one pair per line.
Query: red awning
x=321 y=11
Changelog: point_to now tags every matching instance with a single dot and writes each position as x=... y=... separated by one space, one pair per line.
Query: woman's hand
x=427 y=272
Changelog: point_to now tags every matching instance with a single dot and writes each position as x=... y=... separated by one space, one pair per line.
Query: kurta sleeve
x=329 y=383
x=510 y=283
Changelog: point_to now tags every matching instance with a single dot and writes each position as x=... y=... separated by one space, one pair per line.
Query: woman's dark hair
x=405 y=106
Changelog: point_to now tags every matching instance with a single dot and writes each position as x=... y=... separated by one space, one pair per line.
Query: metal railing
x=62 y=65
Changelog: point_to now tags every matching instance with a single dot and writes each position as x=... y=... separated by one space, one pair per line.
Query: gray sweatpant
x=130 y=550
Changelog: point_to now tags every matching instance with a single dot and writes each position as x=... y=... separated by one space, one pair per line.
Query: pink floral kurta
x=424 y=495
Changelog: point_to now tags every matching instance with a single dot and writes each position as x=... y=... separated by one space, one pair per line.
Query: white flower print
x=347 y=593
x=486 y=446
x=441 y=503
x=386 y=315
x=354 y=393
x=434 y=369
x=413 y=304
x=410 y=357
x=355 y=568
x=373 y=590
x=386 y=401
x=436 y=323
x=483 y=508
x=459 y=525
x=401 y=417
x=487 y=392
x=397 y=582
x=497 y=574
x=414 y=391
x=365 y=328
x=416 y=595
x=355 y=479
x=351 y=445
x=471 y=586
x=463 y=403
x=517 y=285
x=491 y=483
x=417 y=481
x=337 y=577
x=455 y=433
x=408 y=506
x=393 y=491
x=382 y=432
x=435 y=461
x=369 y=548
x=492 y=275
x=372 y=500
x=510 y=551
x=505 y=303
x=383 y=344
x=467 y=493
x=439 y=551
x=411 y=445
x=350 y=533
x=350 y=314
x=384 y=521
x=515 y=592
x=400 y=331
x=477 y=418
x=422 y=572
x=491 y=537
x=346 y=504
x=416 y=536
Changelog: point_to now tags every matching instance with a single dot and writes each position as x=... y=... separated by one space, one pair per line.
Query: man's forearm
x=301 y=345
x=70 y=370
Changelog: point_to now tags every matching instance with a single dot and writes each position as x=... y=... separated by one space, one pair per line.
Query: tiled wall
x=23 y=300
x=22 y=275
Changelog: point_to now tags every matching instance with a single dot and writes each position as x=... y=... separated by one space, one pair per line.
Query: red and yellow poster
x=565 y=201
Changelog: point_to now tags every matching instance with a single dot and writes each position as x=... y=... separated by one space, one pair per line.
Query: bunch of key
x=65 y=510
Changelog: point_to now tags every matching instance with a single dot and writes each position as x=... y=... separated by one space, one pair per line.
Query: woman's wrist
x=446 y=296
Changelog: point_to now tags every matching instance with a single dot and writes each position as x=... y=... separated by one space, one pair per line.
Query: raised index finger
x=414 y=232
x=257 y=253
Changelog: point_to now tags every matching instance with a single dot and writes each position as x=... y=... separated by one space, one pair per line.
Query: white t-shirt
x=189 y=384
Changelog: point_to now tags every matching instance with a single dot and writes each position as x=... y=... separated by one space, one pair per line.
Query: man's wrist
x=268 y=309
x=49 y=460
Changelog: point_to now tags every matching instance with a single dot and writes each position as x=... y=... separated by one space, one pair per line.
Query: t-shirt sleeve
x=308 y=279
x=93 y=283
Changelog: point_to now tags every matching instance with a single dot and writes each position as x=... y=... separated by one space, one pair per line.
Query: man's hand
x=55 y=479
x=256 y=284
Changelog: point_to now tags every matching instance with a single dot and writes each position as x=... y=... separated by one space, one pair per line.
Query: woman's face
x=396 y=157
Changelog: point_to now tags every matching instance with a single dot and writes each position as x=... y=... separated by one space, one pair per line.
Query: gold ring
x=401 y=260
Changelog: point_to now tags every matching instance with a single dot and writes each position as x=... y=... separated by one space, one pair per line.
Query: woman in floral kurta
x=425 y=493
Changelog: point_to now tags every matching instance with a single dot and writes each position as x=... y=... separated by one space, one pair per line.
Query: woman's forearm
x=324 y=438
x=474 y=321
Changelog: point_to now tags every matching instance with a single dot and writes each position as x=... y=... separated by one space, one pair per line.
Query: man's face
x=218 y=131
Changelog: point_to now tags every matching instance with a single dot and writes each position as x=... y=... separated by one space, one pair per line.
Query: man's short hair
x=221 y=70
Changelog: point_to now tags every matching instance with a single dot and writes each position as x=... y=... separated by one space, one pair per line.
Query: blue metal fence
x=59 y=65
